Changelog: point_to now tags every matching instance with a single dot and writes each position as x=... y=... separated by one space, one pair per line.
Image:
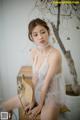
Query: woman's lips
x=42 y=41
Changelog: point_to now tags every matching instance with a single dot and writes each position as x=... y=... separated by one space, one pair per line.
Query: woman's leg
x=12 y=103
x=50 y=111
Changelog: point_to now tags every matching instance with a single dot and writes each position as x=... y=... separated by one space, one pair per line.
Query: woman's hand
x=34 y=112
x=29 y=106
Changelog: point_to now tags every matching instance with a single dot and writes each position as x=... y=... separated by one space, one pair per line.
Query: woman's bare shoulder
x=55 y=55
x=55 y=51
x=55 y=60
x=33 y=52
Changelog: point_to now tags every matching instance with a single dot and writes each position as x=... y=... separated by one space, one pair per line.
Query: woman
x=46 y=76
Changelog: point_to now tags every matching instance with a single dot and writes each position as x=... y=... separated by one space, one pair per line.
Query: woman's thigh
x=50 y=111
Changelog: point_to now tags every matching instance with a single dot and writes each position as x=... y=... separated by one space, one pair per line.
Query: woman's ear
x=50 y=33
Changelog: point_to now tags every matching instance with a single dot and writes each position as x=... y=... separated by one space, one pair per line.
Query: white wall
x=68 y=29
x=1 y=32
x=14 y=43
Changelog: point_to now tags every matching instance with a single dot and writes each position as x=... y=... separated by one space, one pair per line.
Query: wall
x=68 y=29
x=1 y=37
x=14 y=43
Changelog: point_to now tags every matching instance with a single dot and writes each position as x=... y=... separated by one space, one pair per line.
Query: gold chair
x=24 y=88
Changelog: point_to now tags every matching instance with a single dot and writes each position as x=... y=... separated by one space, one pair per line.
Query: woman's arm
x=34 y=80
x=54 y=68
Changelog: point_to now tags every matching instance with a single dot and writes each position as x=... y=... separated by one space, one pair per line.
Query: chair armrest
x=24 y=82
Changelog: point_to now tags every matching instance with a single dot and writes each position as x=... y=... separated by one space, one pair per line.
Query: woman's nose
x=40 y=36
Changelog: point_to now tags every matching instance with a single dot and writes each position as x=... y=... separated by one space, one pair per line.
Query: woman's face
x=40 y=35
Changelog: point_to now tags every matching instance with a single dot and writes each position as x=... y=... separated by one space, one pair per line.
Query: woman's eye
x=35 y=35
x=43 y=32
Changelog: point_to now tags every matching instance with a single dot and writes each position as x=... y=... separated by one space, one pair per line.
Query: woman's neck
x=44 y=48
